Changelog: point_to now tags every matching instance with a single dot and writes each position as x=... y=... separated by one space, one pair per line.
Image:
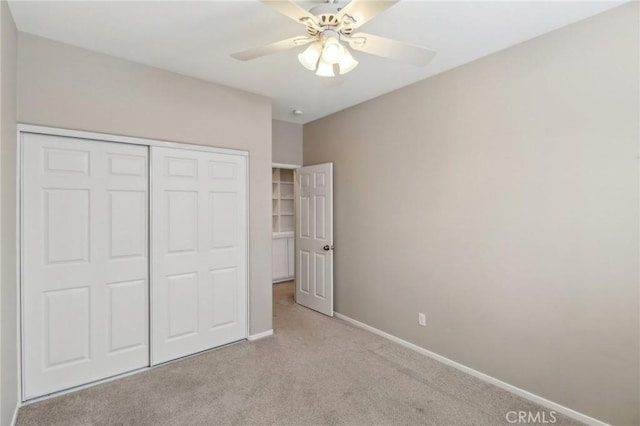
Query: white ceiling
x=196 y=39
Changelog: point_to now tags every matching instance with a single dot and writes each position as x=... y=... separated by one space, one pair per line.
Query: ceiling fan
x=328 y=26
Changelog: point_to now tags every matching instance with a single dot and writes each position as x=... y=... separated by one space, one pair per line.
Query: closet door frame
x=23 y=129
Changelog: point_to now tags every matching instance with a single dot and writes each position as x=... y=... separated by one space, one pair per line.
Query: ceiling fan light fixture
x=346 y=63
x=325 y=69
x=309 y=58
x=332 y=50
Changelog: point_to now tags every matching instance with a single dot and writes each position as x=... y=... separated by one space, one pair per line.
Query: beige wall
x=64 y=86
x=8 y=287
x=501 y=199
x=287 y=142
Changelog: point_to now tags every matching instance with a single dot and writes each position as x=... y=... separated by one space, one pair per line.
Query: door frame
x=105 y=137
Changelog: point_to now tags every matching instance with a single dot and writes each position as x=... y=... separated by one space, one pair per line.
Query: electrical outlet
x=422 y=319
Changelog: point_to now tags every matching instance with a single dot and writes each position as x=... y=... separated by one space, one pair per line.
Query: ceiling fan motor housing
x=327 y=19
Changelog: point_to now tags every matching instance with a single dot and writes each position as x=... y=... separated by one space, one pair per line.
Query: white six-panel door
x=199 y=251
x=314 y=237
x=84 y=262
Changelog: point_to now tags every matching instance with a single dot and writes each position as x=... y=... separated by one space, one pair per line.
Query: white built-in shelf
x=282 y=199
x=285 y=207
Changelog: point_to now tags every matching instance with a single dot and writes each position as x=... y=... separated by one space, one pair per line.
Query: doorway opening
x=283 y=224
x=283 y=233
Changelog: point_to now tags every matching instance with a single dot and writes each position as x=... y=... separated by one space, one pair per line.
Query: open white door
x=314 y=237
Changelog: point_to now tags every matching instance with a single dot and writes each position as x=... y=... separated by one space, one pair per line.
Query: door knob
x=327 y=248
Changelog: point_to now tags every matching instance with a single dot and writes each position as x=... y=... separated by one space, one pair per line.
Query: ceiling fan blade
x=276 y=47
x=290 y=10
x=387 y=48
x=363 y=11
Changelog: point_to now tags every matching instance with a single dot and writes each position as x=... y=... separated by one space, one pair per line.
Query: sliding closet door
x=85 y=262
x=199 y=251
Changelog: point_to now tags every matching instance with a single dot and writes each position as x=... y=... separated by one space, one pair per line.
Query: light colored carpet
x=283 y=294
x=315 y=370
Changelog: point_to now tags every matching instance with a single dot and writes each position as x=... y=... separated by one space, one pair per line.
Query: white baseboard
x=262 y=335
x=499 y=383
x=15 y=415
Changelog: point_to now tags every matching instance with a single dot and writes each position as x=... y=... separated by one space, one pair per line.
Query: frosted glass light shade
x=347 y=63
x=325 y=69
x=309 y=58
x=332 y=50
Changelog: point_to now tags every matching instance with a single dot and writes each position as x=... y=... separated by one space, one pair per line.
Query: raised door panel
x=182 y=221
x=85 y=266
x=67 y=227
x=224 y=297
x=66 y=161
x=182 y=318
x=199 y=251
x=127 y=321
x=304 y=268
x=319 y=285
x=128 y=165
x=67 y=326
x=224 y=216
x=128 y=224
x=181 y=167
